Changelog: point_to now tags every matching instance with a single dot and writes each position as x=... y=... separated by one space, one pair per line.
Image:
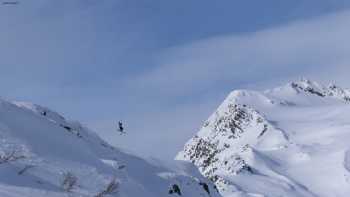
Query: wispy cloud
x=299 y=48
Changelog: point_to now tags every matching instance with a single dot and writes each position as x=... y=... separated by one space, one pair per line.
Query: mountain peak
x=273 y=143
x=311 y=87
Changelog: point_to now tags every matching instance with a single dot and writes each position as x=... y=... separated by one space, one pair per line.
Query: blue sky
x=163 y=66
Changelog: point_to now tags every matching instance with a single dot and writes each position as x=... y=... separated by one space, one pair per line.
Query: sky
x=160 y=66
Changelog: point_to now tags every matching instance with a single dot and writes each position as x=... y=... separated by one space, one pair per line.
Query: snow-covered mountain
x=44 y=155
x=289 y=141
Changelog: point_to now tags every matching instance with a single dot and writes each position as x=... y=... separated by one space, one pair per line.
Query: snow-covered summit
x=313 y=88
x=288 y=141
x=44 y=154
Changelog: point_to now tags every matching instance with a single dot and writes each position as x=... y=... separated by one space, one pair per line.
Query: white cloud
x=299 y=48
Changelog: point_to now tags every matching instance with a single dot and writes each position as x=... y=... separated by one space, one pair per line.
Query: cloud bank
x=299 y=48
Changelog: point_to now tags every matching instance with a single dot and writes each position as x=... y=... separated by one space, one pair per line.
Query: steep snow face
x=43 y=154
x=289 y=141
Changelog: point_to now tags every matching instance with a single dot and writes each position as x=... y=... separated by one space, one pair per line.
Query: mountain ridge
x=44 y=154
x=265 y=138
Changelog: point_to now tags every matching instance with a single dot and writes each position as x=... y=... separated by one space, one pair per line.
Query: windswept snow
x=43 y=154
x=289 y=141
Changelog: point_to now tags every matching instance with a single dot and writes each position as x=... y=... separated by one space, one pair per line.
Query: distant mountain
x=42 y=154
x=291 y=141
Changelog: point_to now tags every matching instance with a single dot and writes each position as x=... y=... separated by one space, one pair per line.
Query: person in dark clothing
x=121 y=128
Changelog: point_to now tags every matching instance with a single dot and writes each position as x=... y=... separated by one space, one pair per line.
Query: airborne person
x=121 y=128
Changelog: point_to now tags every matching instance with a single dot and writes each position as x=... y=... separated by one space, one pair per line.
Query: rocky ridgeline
x=224 y=141
x=322 y=91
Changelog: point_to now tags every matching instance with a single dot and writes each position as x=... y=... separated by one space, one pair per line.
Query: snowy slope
x=43 y=154
x=288 y=141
